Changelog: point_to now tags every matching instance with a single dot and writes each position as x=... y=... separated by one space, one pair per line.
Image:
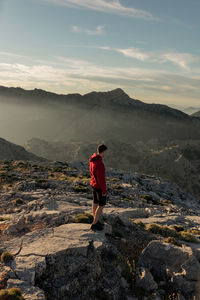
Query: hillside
x=11 y=151
x=196 y=114
x=45 y=229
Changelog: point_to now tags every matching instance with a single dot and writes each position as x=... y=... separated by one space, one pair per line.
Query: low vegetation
x=11 y=294
x=3 y=219
x=172 y=240
x=83 y=218
x=18 y=201
x=174 y=231
x=80 y=188
x=6 y=257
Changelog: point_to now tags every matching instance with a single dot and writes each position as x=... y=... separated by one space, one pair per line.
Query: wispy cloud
x=182 y=60
x=71 y=75
x=107 y=6
x=99 y=30
x=135 y=53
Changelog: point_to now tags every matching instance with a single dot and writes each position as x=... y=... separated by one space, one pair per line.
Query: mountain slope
x=96 y=115
x=196 y=114
x=112 y=98
x=11 y=151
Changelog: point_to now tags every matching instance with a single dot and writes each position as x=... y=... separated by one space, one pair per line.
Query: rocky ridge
x=45 y=215
x=63 y=117
x=10 y=151
x=196 y=114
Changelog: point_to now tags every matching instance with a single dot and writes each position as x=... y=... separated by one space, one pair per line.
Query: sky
x=148 y=48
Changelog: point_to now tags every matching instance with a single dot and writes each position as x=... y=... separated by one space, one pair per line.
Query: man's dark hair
x=101 y=148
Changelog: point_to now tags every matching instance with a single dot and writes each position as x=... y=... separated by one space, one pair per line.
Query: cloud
x=99 y=30
x=107 y=6
x=8 y=54
x=135 y=53
x=68 y=74
x=182 y=60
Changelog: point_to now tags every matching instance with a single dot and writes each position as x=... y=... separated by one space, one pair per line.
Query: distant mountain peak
x=196 y=114
x=115 y=92
x=119 y=92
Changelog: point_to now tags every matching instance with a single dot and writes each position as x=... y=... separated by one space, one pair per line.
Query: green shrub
x=18 y=201
x=177 y=227
x=83 y=218
x=170 y=231
x=166 y=202
x=116 y=186
x=146 y=197
x=172 y=240
x=6 y=257
x=194 y=231
x=188 y=237
x=80 y=189
x=162 y=230
x=139 y=223
x=11 y=294
x=113 y=179
x=3 y=219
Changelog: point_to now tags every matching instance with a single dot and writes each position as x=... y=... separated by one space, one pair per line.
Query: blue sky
x=149 y=48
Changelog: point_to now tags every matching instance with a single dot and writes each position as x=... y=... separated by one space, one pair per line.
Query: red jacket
x=97 y=172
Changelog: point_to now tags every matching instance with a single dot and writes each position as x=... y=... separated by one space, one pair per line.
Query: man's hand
x=103 y=194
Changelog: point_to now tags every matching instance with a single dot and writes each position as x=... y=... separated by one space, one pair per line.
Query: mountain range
x=93 y=116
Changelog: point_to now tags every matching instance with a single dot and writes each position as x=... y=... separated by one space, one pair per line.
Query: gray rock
x=145 y=280
x=159 y=256
x=17 y=227
x=29 y=292
x=179 y=264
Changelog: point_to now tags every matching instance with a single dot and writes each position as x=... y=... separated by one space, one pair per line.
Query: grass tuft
x=11 y=294
x=83 y=218
x=172 y=240
x=6 y=257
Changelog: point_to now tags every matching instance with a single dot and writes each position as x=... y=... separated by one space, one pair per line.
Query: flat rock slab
x=71 y=238
x=61 y=238
x=188 y=221
x=127 y=212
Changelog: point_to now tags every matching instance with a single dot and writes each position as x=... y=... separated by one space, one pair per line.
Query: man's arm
x=101 y=177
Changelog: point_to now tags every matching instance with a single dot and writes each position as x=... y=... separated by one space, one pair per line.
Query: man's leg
x=94 y=208
x=98 y=214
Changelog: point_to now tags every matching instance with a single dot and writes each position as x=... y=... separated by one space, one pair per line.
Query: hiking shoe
x=101 y=224
x=96 y=227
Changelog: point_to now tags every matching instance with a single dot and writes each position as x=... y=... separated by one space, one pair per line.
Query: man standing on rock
x=98 y=183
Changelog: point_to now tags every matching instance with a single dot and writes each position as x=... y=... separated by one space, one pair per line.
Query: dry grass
x=6 y=257
x=83 y=218
x=174 y=231
x=11 y=294
x=172 y=240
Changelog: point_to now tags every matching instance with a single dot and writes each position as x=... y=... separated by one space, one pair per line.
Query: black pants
x=97 y=197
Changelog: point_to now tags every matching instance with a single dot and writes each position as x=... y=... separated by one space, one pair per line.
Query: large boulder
x=171 y=263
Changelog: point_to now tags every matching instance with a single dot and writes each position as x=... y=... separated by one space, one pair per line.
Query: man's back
x=97 y=172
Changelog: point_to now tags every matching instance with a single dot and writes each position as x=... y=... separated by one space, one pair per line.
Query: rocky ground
x=176 y=160
x=149 y=248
